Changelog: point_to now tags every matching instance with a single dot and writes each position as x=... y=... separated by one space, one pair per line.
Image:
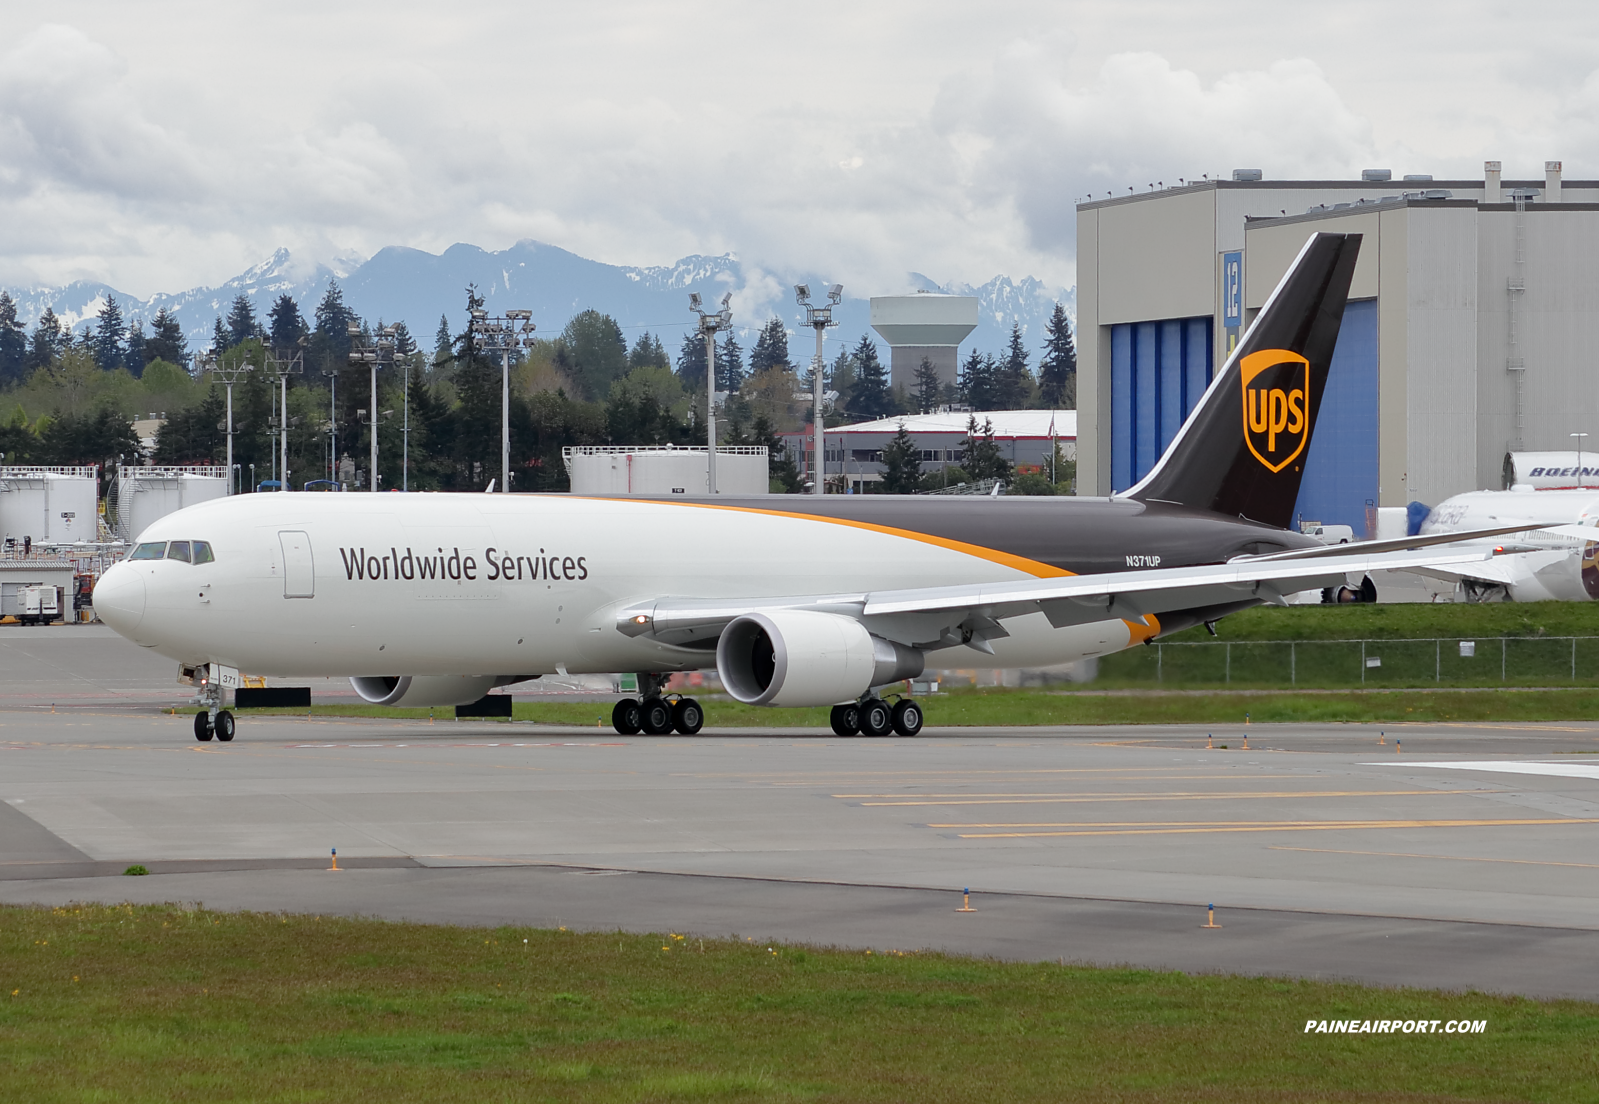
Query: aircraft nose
x=119 y=598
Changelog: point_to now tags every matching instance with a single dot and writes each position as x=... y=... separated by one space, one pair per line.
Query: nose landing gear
x=212 y=719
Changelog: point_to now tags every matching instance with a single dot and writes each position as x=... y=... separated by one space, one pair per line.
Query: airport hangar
x=1470 y=329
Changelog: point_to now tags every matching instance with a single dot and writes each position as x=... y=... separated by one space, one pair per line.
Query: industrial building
x=1469 y=332
x=925 y=326
x=145 y=494
x=853 y=454
x=665 y=469
x=49 y=504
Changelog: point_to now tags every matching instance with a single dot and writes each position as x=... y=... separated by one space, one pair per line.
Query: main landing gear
x=658 y=714
x=872 y=716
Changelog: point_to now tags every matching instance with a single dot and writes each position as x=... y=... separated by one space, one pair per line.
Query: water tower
x=923 y=325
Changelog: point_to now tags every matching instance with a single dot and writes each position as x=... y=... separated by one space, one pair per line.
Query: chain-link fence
x=1440 y=661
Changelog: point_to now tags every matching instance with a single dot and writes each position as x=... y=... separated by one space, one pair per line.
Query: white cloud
x=162 y=145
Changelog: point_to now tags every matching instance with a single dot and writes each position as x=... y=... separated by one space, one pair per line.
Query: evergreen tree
x=842 y=378
x=598 y=352
x=50 y=339
x=98 y=438
x=729 y=364
x=691 y=362
x=135 y=356
x=242 y=325
x=1057 y=368
x=982 y=458
x=442 y=343
x=648 y=352
x=166 y=341
x=977 y=382
x=330 y=341
x=1013 y=382
x=928 y=386
x=404 y=343
x=902 y=464
x=287 y=323
x=870 y=396
x=13 y=342
x=781 y=472
x=771 y=347
x=221 y=338
x=195 y=435
x=110 y=336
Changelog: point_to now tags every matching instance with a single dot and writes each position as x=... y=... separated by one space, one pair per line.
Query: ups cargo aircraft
x=434 y=599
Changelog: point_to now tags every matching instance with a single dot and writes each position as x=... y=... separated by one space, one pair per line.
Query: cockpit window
x=202 y=553
x=178 y=550
x=149 y=550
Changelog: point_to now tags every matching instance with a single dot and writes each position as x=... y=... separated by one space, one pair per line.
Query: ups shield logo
x=1276 y=406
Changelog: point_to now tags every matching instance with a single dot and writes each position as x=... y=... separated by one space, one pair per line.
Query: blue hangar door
x=1341 y=469
x=1158 y=371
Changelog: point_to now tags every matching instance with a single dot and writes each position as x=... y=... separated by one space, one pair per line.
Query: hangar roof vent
x=1376 y=174
x=1247 y=174
x=1418 y=178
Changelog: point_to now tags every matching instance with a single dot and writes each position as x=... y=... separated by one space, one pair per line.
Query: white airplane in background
x=1552 y=556
x=433 y=599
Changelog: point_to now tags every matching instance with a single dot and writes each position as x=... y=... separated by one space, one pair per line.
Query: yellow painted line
x=1156 y=828
x=1094 y=798
x=1413 y=855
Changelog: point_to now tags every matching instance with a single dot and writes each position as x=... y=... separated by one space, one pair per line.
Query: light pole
x=373 y=356
x=1579 y=437
x=710 y=325
x=503 y=333
x=228 y=376
x=281 y=369
x=820 y=319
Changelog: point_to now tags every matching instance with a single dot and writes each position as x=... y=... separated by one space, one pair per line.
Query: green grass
x=164 y=1003
x=996 y=706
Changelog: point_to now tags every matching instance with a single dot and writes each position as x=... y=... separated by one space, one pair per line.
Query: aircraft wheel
x=687 y=716
x=224 y=726
x=907 y=717
x=628 y=717
x=202 y=725
x=876 y=718
x=846 y=719
x=657 y=717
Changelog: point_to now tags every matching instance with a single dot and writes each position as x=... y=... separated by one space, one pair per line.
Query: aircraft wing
x=947 y=615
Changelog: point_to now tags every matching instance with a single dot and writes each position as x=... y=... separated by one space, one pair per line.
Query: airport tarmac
x=1464 y=860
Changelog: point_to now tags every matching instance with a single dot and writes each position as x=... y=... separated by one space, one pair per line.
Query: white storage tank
x=665 y=469
x=145 y=495
x=51 y=505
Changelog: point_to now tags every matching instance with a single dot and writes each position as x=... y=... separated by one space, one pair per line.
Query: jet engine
x=799 y=657
x=414 y=690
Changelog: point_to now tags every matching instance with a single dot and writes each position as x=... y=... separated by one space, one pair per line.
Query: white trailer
x=49 y=505
x=146 y=494
x=665 y=469
x=40 y=605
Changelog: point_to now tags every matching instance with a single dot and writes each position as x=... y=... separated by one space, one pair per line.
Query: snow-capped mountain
x=398 y=283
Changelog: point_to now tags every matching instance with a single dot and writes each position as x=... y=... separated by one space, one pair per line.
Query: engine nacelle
x=415 y=690
x=799 y=657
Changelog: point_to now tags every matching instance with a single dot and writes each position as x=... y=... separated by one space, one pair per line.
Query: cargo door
x=299 y=573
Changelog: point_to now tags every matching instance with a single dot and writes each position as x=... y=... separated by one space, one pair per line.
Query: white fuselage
x=478 y=584
x=1557 y=566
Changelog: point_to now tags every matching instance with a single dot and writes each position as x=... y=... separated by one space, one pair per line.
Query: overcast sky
x=164 y=144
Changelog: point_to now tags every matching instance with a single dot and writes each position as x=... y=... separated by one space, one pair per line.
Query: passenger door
x=299 y=572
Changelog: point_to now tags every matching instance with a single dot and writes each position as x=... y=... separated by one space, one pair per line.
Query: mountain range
x=417 y=287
